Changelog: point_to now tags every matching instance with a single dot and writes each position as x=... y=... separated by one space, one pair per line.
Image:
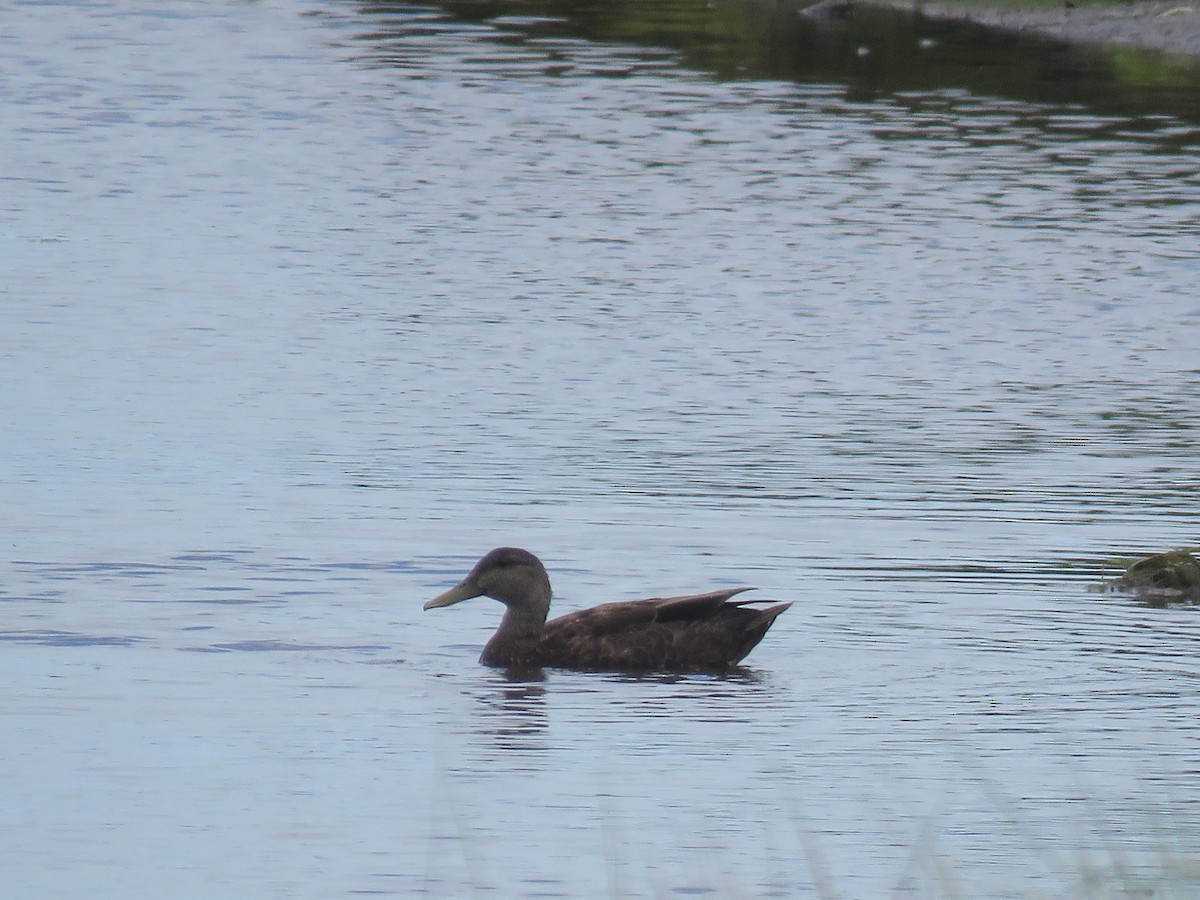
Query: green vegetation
x=1137 y=69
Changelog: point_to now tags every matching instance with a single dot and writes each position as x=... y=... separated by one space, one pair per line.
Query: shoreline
x=1162 y=26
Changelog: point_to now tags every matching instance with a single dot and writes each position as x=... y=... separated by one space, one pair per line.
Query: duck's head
x=513 y=576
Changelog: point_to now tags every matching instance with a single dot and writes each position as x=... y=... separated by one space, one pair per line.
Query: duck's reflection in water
x=512 y=714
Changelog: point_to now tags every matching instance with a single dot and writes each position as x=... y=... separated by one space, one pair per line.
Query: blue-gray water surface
x=307 y=305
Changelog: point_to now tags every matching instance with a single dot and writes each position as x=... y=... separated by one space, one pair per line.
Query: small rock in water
x=1163 y=578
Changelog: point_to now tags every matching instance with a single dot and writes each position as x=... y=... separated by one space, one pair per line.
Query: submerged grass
x=930 y=870
x=930 y=873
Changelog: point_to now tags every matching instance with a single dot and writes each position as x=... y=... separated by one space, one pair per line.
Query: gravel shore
x=1167 y=27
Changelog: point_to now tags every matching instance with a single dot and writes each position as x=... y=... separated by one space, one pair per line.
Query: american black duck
x=699 y=633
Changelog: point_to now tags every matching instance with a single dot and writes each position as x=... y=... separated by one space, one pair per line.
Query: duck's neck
x=517 y=639
x=524 y=621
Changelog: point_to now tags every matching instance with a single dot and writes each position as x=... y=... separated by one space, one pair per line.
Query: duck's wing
x=698 y=632
x=695 y=607
x=631 y=615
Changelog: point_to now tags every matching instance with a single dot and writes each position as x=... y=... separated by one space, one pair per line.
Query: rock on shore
x=1166 y=26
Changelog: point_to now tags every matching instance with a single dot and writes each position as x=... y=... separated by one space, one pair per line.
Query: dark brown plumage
x=699 y=633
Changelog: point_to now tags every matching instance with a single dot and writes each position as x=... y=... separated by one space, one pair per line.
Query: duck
x=695 y=633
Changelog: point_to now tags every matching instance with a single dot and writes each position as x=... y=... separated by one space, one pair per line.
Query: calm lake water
x=306 y=305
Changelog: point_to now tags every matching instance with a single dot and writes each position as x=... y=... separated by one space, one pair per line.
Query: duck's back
x=697 y=633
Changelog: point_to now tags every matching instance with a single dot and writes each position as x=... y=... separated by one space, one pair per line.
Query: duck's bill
x=456 y=594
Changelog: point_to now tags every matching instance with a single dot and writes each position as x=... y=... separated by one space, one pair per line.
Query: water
x=307 y=306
